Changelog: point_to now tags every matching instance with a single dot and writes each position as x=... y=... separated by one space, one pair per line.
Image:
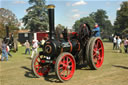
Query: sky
x=67 y=11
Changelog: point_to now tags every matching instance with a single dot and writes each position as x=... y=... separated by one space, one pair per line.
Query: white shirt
x=118 y=41
x=114 y=40
x=35 y=45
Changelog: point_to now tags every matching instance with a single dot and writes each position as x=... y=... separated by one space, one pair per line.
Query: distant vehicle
x=11 y=40
x=22 y=37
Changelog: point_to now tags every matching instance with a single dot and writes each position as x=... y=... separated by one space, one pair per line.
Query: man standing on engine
x=96 y=31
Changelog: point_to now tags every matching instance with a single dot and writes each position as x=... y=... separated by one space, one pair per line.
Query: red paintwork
x=73 y=33
x=54 y=62
x=66 y=67
x=42 y=61
x=98 y=58
x=70 y=45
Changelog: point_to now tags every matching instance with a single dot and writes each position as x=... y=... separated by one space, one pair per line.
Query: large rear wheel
x=96 y=53
x=65 y=66
x=87 y=50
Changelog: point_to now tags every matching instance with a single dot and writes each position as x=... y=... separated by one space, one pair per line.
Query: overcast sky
x=67 y=11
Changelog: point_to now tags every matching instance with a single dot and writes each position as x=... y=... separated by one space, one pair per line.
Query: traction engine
x=64 y=54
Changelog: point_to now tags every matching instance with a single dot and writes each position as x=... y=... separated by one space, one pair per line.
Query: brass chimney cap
x=51 y=6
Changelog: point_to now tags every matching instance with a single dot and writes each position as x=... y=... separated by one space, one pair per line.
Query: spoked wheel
x=96 y=53
x=39 y=67
x=65 y=66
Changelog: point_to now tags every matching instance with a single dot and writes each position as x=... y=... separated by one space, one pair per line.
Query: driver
x=96 y=31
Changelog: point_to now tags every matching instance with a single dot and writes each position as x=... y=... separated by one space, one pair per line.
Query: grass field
x=17 y=71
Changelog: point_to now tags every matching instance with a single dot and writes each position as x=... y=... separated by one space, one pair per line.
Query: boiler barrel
x=53 y=47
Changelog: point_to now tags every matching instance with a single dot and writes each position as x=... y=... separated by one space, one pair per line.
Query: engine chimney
x=51 y=21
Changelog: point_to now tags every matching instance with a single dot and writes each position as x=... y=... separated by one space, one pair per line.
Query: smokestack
x=51 y=21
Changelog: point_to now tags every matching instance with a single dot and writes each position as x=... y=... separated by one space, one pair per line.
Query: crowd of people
x=35 y=44
x=120 y=44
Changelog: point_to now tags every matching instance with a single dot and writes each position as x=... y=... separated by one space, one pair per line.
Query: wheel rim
x=98 y=53
x=66 y=67
x=41 y=69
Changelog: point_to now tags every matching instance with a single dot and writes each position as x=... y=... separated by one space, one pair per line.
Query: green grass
x=17 y=71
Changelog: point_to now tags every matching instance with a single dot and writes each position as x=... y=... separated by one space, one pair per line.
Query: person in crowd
x=34 y=48
x=118 y=43
x=114 y=42
x=43 y=41
x=4 y=52
x=125 y=45
x=0 y=56
x=96 y=30
x=8 y=51
x=27 y=45
x=122 y=47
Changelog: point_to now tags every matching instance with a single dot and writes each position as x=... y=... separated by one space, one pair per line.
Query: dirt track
x=114 y=71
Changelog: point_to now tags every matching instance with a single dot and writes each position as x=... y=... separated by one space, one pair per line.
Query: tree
x=7 y=18
x=98 y=17
x=88 y=20
x=37 y=17
x=101 y=19
x=59 y=28
x=121 y=22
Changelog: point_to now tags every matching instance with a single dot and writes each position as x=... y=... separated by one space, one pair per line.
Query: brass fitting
x=51 y=6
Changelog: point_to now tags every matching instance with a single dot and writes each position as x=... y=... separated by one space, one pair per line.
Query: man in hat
x=96 y=31
x=27 y=45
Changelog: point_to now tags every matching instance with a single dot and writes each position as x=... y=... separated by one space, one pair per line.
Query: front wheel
x=39 y=67
x=65 y=66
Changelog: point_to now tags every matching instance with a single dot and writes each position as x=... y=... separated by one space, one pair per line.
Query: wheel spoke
x=100 y=57
x=62 y=73
x=67 y=61
x=37 y=61
x=37 y=65
x=94 y=50
x=38 y=69
x=62 y=63
x=95 y=46
x=60 y=68
x=94 y=54
x=100 y=48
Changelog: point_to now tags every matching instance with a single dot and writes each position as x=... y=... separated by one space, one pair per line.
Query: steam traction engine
x=65 y=53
